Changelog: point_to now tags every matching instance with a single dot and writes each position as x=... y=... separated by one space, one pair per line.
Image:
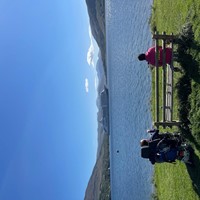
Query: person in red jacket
x=149 y=56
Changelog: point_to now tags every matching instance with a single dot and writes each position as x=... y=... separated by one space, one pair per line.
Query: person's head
x=141 y=57
x=144 y=142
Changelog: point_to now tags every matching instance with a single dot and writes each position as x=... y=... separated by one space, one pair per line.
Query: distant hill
x=99 y=184
x=96 y=12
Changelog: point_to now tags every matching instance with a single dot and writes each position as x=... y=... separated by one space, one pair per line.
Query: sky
x=48 y=114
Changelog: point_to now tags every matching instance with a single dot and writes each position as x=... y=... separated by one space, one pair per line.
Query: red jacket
x=150 y=56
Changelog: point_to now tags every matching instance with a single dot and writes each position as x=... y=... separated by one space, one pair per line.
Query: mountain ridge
x=99 y=183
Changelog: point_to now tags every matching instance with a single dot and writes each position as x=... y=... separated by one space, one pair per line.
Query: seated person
x=150 y=55
x=159 y=150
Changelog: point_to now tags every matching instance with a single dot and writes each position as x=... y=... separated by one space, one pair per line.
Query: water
x=129 y=82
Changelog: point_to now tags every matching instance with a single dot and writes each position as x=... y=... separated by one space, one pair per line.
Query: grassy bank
x=178 y=181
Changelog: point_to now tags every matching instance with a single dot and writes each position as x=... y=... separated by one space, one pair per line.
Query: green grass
x=173 y=182
x=178 y=181
x=169 y=15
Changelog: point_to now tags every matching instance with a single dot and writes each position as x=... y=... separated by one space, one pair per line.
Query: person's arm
x=154 y=133
x=163 y=145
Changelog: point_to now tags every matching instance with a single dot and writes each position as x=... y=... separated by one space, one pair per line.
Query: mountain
x=100 y=88
x=99 y=183
x=96 y=12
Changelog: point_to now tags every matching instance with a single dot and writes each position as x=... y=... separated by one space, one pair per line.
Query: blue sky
x=48 y=122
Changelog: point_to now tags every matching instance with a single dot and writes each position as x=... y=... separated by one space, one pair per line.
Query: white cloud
x=90 y=53
x=86 y=85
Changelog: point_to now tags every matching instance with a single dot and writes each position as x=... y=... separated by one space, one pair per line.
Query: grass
x=178 y=181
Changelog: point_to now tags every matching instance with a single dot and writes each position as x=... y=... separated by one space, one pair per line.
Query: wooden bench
x=167 y=83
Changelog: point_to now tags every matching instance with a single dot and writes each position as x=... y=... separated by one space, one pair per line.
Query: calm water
x=129 y=81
